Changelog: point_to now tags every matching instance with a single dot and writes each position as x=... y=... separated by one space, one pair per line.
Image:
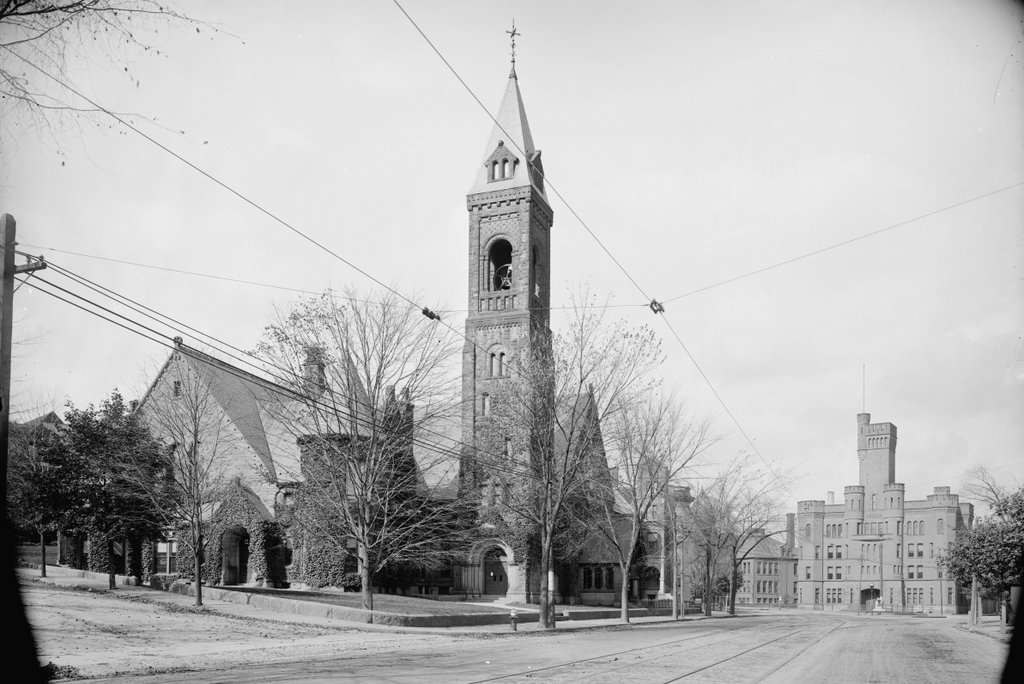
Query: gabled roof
x=261 y=411
x=513 y=131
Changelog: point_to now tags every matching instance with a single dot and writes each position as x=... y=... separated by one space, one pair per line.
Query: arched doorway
x=869 y=597
x=495 y=572
x=235 y=552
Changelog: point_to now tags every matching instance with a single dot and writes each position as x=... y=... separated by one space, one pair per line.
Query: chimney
x=314 y=380
x=831 y=498
x=790 y=527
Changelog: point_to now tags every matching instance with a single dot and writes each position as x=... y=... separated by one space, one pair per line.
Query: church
x=508 y=287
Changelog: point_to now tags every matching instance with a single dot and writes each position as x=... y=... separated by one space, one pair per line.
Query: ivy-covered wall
x=238 y=511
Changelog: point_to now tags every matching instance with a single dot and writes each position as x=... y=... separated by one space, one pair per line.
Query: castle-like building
x=875 y=549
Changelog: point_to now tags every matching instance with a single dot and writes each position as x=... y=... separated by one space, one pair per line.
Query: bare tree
x=40 y=37
x=374 y=393
x=543 y=436
x=650 y=443
x=195 y=428
x=984 y=486
x=735 y=514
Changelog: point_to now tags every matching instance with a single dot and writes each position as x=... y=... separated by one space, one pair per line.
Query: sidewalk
x=307 y=612
x=989 y=625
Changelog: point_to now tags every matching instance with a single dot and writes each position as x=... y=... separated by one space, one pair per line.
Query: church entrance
x=495 y=573
x=235 y=550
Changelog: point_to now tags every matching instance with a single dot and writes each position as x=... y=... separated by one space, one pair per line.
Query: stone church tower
x=509 y=282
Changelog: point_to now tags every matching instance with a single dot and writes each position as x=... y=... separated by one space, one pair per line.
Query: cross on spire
x=513 y=34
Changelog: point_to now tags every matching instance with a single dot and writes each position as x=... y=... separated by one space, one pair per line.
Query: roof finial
x=513 y=33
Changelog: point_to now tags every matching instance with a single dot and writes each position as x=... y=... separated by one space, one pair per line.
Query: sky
x=697 y=142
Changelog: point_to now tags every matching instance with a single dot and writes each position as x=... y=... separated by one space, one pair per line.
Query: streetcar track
x=793 y=657
x=603 y=656
x=732 y=657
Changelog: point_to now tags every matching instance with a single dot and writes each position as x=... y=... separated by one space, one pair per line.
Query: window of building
x=177 y=388
x=609 y=576
x=500 y=266
x=829 y=573
x=588 y=577
x=920 y=550
x=874 y=503
x=923 y=531
x=817 y=552
x=807 y=531
x=485 y=404
x=940 y=526
x=807 y=572
x=839 y=572
x=949 y=595
x=899 y=527
x=831 y=552
x=899 y=550
x=910 y=550
x=817 y=595
x=839 y=552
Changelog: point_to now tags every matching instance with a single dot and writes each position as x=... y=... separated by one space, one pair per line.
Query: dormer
x=502 y=164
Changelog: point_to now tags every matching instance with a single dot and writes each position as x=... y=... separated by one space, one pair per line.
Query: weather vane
x=513 y=33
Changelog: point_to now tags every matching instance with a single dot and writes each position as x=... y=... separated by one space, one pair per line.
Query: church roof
x=511 y=130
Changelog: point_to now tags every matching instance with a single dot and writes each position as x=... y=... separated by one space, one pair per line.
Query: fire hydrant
x=513 y=619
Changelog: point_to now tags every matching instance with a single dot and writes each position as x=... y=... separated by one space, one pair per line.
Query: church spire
x=512 y=34
x=510 y=160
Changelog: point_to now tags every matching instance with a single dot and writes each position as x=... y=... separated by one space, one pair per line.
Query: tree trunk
x=707 y=583
x=552 y=602
x=111 y=579
x=732 y=591
x=544 y=600
x=677 y=585
x=198 y=566
x=624 y=592
x=975 y=602
x=42 y=553
x=366 y=580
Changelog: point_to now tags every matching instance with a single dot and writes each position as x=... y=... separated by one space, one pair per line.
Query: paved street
x=766 y=648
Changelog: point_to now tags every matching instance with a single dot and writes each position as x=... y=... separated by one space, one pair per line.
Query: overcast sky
x=699 y=141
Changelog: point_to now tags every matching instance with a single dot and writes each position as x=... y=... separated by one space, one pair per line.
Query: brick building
x=875 y=549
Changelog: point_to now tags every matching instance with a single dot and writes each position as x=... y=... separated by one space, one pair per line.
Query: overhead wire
x=836 y=245
x=262 y=367
x=655 y=306
x=425 y=310
x=296 y=290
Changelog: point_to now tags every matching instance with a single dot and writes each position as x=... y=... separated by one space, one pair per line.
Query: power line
x=496 y=464
x=511 y=140
x=180 y=271
x=844 y=242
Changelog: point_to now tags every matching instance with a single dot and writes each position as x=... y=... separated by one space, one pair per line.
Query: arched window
x=500 y=266
x=493 y=370
x=807 y=531
x=485 y=404
x=501 y=363
x=609 y=577
x=940 y=526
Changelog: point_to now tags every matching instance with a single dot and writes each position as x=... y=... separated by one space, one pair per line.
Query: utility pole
x=7 y=272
